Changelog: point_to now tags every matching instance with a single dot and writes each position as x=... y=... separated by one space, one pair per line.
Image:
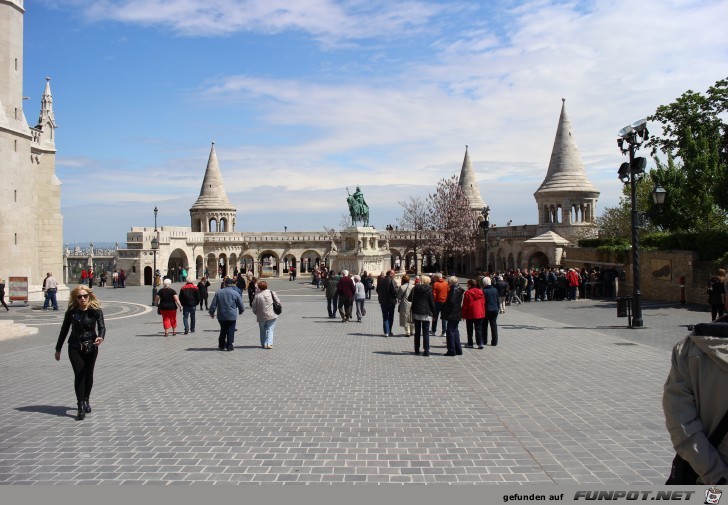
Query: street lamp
x=630 y=139
x=155 y=246
x=485 y=224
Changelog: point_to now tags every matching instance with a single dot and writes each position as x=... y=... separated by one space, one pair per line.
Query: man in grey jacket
x=694 y=399
x=229 y=304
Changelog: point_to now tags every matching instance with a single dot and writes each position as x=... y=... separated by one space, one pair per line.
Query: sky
x=307 y=98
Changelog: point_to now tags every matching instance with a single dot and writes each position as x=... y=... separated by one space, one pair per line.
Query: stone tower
x=213 y=212
x=31 y=224
x=469 y=184
x=566 y=199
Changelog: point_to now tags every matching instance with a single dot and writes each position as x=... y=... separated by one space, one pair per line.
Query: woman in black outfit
x=86 y=321
x=423 y=308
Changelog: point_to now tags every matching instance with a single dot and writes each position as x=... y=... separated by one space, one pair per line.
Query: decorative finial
x=563 y=100
x=48 y=78
x=213 y=142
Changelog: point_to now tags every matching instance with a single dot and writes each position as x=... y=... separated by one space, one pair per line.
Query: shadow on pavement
x=53 y=410
x=215 y=348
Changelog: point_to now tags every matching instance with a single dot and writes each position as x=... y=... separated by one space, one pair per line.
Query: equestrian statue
x=358 y=208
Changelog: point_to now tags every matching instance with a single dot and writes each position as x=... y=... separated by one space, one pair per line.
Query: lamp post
x=630 y=173
x=485 y=224
x=155 y=246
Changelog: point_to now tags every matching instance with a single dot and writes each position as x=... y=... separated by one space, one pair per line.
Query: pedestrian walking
x=474 y=313
x=189 y=297
x=202 y=288
x=167 y=305
x=85 y=319
x=332 y=294
x=360 y=296
x=265 y=314
x=50 y=286
x=404 y=298
x=229 y=305
x=2 y=294
x=345 y=289
x=439 y=292
x=716 y=297
x=387 y=298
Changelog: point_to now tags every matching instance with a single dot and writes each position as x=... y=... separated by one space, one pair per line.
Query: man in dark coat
x=202 y=289
x=189 y=297
x=387 y=297
x=345 y=289
x=491 y=313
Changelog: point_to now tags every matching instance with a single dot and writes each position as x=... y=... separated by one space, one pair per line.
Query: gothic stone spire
x=469 y=183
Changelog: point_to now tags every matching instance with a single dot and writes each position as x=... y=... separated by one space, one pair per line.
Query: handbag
x=87 y=342
x=277 y=307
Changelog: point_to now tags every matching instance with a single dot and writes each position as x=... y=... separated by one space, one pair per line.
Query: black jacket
x=386 y=292
x=80 y=321
x=189 y=295
x=452 y=310
x=423 y=302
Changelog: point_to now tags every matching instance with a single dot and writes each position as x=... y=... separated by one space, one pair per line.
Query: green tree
x=614 y=223
x=694 y=141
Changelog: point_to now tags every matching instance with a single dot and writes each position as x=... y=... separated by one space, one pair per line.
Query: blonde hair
x=425 y=279
x=93 y=302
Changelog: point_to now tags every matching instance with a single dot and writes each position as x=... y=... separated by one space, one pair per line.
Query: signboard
x=18 y=289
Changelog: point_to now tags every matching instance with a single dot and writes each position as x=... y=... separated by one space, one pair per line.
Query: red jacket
x=473 y=304
x=573 y=278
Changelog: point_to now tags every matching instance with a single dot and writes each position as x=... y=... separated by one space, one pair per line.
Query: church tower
x=213 y=212
x=566 y=199
x=31 y=224
x=469 y=184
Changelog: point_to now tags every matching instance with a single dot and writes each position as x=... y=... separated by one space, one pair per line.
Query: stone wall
x=662 y=273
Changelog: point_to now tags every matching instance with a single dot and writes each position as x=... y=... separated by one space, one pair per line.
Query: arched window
x=213 y=225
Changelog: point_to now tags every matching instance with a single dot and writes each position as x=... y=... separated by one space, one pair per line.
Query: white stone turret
x=469 y=184
x=213 y=212
x=566 y=199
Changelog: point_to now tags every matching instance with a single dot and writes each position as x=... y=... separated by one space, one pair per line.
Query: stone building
x=566 y=202
x=31 y=224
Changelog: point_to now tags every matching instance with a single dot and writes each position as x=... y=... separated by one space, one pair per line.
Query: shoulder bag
x=277 y=307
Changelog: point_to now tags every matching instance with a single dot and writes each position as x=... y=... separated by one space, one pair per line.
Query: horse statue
x=358 y=208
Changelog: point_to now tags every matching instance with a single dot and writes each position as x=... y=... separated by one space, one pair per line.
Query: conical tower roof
x=212 y=193
x=469 y=183
x=566 y=170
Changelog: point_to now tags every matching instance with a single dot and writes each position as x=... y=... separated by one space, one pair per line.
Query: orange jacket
x=439 y=290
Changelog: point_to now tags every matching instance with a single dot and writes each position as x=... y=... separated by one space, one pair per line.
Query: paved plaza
x=569 y=396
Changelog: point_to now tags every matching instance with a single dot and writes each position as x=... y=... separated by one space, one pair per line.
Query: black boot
x=81 y=414
x=86 y=407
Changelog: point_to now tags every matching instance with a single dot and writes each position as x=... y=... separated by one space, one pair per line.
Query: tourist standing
x=474 y=312
x=716 y=297
x=115 y=279
x=345 y=290
x=202 y=289
x=573 y=278
x=122 y=278
x=332 y=294
x=452 y=313
x=50 y=285
x=492 y=305
x=387 y=298
x=2 y=294
x=423 y=308
x=265 y=315
x=404 y=297
x=360 y=295
x=85 y=319
x=189 y=297
x=167 y=305
x=439 y=292
x=229 y=304
x=90 y=277
x=368 y=282
x=502 y=289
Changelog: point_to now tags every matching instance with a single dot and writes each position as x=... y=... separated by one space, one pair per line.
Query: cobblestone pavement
x=569 y=396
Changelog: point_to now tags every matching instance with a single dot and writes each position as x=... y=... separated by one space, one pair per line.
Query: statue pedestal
x=360 y=251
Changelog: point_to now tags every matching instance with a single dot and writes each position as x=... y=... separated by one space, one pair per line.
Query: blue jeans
x=387 y=317
x=359 y=308
x=50 y=298
x=266 y=331
x=422 y=328
x=332 y=306
x=189 y=312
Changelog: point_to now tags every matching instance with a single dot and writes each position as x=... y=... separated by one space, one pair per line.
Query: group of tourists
x=227 y=304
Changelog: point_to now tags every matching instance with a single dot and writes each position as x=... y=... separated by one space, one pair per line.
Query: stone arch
x=538 y=260
x=309 y=260
x=223 y=225
x=395 y=259
x=429 y=261
x=289 y=261
x=147 y=276
x=199 y=266
x=176 y=262
x=212 y=224
x=247 y=263
x=269 y=264
x=211 y=266
x=223 y=265
x=519 y=260
x=233 y=263
x=510 y=264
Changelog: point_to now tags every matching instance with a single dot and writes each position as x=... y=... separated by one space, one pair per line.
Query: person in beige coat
x=405 y=306
x=694 y=399
x=263 y=310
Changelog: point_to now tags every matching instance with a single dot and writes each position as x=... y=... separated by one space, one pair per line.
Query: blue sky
x=308 y=97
